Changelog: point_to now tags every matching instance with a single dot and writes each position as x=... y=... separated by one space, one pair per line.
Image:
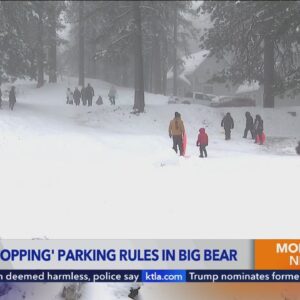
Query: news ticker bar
x=149 y=276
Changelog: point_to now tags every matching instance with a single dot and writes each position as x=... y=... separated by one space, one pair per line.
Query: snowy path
x=97 y=172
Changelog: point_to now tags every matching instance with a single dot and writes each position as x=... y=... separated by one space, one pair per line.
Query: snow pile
x=247 y=87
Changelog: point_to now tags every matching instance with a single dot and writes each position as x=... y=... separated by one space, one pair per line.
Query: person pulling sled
x=259 y=130
x=176 y=131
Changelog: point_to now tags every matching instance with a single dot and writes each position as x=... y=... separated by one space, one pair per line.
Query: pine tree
x=81 y=66
x=258 y=37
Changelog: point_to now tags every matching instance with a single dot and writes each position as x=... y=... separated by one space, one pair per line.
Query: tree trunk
x=269 y=63
x=125 y=73
x=81 y=66
x=175 y=51
x=165 y=66
x=40 y=47
x=139 y=95
x=32 y=68
x=158 y=69
x=156 y=62
x=52 y=48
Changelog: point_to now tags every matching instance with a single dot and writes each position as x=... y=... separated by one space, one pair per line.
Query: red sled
x=184 y=142
x=263 y=139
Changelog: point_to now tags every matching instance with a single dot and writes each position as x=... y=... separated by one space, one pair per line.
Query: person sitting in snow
x=12 y=97
x=176 y=131
x=77 y=96
x=259 y=129
x=228 y=124
x=249 y=126
x=202 y=142
x=99 y=100
x=69 y=96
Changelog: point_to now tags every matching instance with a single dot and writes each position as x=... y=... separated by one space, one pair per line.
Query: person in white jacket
x=69 y=96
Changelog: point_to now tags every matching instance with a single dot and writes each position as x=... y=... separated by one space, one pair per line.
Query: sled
x=257 y=139
x=184 y=143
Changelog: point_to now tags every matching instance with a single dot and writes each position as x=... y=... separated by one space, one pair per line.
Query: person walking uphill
x=83 y=95
x=176 y=131
x=228 y=124
x=249 y=126
x=112 y=95
x=202 y=142
x=89 y=94
x=12 y=97
x=77 y=96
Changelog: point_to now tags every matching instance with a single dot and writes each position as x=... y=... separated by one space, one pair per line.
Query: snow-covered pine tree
x=261 y=37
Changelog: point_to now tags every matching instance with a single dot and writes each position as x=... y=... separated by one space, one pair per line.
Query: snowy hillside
x=102 y=172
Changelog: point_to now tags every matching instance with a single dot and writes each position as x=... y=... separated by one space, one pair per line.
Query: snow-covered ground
x=101 y=172
x=116 y=291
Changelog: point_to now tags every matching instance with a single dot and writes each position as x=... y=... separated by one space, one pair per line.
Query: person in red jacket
x=202 y=142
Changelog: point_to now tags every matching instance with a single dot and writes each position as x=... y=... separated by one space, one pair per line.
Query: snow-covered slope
x=101 y=172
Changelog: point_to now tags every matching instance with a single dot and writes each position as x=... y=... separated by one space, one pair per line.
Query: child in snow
x=99 y=100
x=202 y=142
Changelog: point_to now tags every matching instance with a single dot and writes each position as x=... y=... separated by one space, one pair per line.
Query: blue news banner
x=151 y=276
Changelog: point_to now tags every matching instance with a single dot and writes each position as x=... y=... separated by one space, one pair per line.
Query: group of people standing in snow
x=256 y=127
x=86 y=95
x=12 y=99
x=177 y=132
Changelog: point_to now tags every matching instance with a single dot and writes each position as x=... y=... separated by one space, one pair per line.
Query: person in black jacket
x=89 y=93
x=76 y=96
x=249 y=125
x=228 y=124
x=12 y=98
x=258 y=129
